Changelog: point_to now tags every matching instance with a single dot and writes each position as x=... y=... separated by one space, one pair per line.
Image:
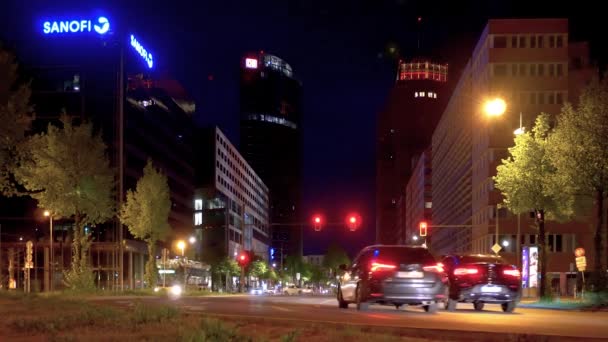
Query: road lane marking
x=280 y=308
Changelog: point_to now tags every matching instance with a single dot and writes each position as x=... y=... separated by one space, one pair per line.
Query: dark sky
x=337 y=48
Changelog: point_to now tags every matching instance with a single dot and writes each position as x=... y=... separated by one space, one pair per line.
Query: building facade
x=100 y=77
x=418 y=199
x=531 y=64
x=231 y=201
x=404 y=131
x=270 y=141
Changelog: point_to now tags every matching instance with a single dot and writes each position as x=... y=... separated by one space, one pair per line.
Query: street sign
x=298 y=275
x=581 y=263
x=496 y=248
x=579 y=252
x=29 y=264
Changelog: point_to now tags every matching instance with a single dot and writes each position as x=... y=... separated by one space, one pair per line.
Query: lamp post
x=182 y=246
x=52 y=268
x=520 y=130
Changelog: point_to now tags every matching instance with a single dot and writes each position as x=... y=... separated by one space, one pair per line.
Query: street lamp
x=415 y=238
x=495 y=107
x=192 y=240
x=181 y=245
x=51 y=257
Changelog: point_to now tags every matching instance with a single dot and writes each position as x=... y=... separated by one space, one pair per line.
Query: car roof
x=489 y=256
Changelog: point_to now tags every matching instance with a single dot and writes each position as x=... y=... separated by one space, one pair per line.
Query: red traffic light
x=242 y=259
x=423 y=228
x=353 y=222
x=317 y=222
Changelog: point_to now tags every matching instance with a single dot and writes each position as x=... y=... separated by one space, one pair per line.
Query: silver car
x=393 y=275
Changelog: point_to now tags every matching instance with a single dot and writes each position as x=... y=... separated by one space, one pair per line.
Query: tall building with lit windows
x=533 y=66
x=270 y=141
x=403 y=133
x=230 y=202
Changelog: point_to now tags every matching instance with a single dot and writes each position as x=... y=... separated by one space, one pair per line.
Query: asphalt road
x=575 y=324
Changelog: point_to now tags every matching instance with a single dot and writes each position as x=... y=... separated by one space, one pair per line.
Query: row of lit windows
x=531 y=41
x=238 y=182
x=429 y=94
x=530 y=69
x=556 y=243
x=541 y=97
x=242 y=165
x=272 y=119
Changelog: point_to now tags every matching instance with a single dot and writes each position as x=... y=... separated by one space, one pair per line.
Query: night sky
x=339 y=49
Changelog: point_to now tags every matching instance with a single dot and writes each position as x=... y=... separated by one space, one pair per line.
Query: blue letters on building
x=101 y=25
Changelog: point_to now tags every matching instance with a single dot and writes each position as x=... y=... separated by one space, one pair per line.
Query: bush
x=144 y=314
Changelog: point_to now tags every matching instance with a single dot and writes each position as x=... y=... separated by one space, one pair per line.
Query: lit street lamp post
x=52 y=266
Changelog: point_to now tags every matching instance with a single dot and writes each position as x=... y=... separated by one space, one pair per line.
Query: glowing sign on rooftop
x=147 y=56
x=251 y=63
x=100 y=25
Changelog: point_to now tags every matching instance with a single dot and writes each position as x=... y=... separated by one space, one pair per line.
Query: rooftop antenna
x=419 y=24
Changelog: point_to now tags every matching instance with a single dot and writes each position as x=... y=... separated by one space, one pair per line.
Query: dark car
x=480 y=279
x=393 y=275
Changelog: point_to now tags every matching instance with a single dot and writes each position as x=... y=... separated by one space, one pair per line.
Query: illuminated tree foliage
x=579 y=149
x=67 y=171
x=146 y=214
x=528 y=180
x=15 y=117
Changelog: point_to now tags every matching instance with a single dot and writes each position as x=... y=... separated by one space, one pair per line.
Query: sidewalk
x=559 y=303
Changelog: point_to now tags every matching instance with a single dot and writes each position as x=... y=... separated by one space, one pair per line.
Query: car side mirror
x=342 y=267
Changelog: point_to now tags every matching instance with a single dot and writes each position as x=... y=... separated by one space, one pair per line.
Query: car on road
x=480 y=279
x=393 y=275
x=257 y=291
x=293 y=290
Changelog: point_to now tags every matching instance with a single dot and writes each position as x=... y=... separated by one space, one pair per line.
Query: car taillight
x=434 y=268
x=512 y=273
x=378 y=266
x=465 y=271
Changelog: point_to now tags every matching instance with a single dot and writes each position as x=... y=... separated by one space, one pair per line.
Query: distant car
x=270 y=291
x=481 y=279
x=257 y=291
x=293 y=290
x=393 y=275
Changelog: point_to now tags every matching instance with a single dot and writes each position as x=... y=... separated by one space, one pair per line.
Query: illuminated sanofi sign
x=147 y=56
x=100 y=25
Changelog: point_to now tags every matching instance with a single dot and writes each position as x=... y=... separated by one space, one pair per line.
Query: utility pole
x=121 y=159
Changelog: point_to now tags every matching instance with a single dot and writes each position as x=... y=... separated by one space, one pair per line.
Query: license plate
x=413 y=274
x=490 y=289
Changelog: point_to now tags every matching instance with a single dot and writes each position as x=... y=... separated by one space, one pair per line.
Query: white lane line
x=280 y=308
x=333 y=301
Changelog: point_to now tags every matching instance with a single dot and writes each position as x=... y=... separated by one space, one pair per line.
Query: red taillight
x=434 y=268
x=512 y=273
x=377 y=266
x=465 y=271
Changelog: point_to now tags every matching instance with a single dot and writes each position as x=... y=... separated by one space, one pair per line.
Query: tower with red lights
x=404 y=131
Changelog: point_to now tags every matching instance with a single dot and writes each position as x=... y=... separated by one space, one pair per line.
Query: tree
x=318 y=275
x=228 y=267
x=146 y=214
x=15 y=116
x=270 y=275
x=580 y=152
x=528 y=179
x=335 y=256
x=67 y=171
x=258 y=268
x=294 y=265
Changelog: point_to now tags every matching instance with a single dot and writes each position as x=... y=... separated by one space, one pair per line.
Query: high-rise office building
x=270 y=104
x=96 y=73
x=231 y=201
x=533 y=66
x=404 y=131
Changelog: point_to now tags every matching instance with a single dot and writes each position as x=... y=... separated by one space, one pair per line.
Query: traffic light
x=423 y=228
x=353 y=222
x=243 y=259
x=317 y=222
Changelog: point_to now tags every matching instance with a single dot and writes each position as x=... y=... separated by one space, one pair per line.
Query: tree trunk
x=151 y=271
x=599 y=272
x=542 y=258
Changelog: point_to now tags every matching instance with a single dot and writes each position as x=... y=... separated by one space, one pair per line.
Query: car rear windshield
x=471 y=259
x=403 y=255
